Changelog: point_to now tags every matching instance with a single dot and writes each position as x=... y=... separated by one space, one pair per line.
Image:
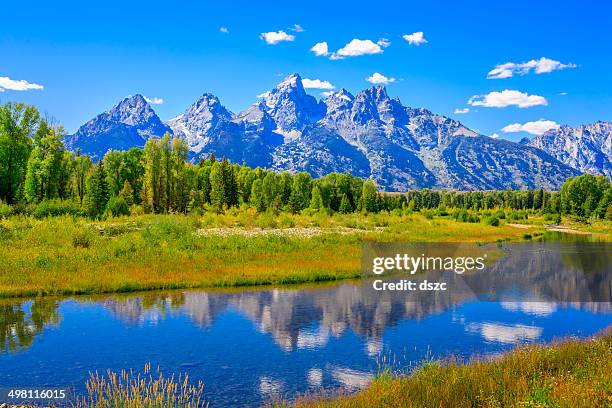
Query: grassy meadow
x=75 y=255
x=568 y=374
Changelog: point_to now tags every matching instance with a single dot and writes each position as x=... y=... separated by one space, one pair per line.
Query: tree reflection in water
x=20 y=322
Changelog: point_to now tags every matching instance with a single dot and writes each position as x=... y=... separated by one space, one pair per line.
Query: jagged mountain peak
x=127 y=124
x=132 y=110
x=377 y=92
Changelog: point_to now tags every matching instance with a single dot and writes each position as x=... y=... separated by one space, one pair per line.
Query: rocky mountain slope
x=368 y=135
x=128 y=124
x=587 y=148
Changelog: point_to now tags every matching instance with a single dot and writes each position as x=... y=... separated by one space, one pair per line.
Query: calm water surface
x=253 y=346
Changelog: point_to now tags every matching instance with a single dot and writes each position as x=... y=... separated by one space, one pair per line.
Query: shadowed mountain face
x=368 y=135
x=587 y=148
x=128 y=124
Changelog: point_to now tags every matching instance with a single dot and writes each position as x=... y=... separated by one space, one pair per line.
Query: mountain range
x=368 y=134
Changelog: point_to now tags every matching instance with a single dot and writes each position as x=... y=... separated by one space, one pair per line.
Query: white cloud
x=542 y=66
x=224 y=30
x=297 y=28
x=327 y=93
x=507 y=97
x=537 y=127
x=460 y=111
x=320 y=49
x=563 y=93
x=316 y=84
x=357 y=47
x=274 y=37
x=415 y=38
x=154 y=101
x=8 y=84
x=264 y=94
x=494 y=136
x=378 y=78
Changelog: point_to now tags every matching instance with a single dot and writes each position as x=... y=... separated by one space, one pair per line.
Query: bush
x=54 y=208
x=501 y=214
x=5 y=210
x=556 y=219
x=83 y=238
x=116 y=207
x=464 y=216
x=493 y=221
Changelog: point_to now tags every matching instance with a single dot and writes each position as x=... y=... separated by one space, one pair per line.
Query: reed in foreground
x=569 y=374
x=136 y=390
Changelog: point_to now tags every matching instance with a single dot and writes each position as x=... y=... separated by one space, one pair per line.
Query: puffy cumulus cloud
x=275 y=37
x=297 y=28
x=327 y=93
x=8 y=84
x=224 y=30
x=494 y=136
x=461 y=111
x=357 y=47
x=417 y=38
x=537 y=127
x=316 y=84
x=379 y=79
x=542 y=66
x=154 y=101
x=507 y=97
x=320 y=49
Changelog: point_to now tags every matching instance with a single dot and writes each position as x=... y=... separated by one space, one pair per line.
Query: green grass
x=568 y=374
x=69 y=255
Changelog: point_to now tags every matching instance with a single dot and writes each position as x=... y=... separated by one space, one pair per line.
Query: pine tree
x=368 y=197
x=345 y=205
x=97 y=191
x=217 y=187
x=316 y=200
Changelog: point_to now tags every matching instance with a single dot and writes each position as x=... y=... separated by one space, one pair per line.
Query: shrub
x=54 y=208
x=5 y=210
x=116 y=207
x=83 y=238
x=493 y=221
x=500 y=214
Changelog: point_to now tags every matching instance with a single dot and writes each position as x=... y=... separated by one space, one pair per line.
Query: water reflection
x=21 y=322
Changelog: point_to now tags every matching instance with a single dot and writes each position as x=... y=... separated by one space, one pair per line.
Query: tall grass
x=68 y=255
x=140 y=390
x=568 y=374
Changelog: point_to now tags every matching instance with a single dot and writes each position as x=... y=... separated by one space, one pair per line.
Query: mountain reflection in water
x=253 y=345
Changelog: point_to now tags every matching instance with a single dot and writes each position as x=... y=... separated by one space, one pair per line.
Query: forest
x=39 y=177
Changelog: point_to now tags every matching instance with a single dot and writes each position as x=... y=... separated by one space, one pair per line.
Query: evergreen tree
x=97 y=193
x=217 y=187
x=316 y=200
x=345 y=205
x=368 y=197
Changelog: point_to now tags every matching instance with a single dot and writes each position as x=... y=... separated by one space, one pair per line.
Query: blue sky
x=87 y=57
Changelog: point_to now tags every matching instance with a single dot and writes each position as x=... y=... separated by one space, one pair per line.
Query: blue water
x=250 y=347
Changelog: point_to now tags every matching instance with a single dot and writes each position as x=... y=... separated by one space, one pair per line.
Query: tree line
x=36 y=169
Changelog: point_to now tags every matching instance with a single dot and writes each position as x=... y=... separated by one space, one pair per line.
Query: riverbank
x=72 y=255
x=572 y=373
